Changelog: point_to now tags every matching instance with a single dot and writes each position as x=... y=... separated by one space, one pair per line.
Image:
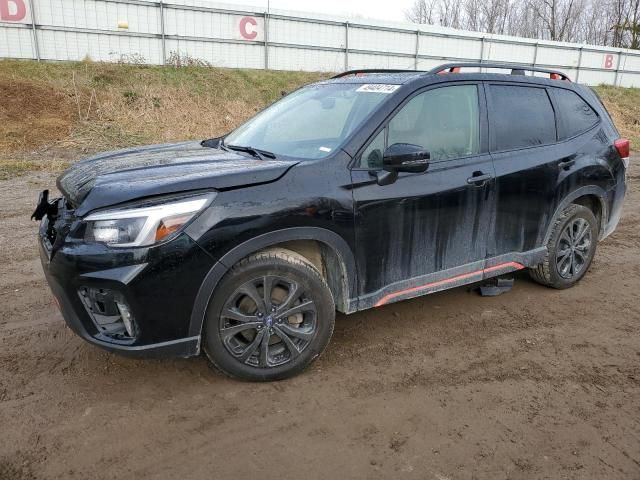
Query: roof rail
x=516 y=69
x=373 y=70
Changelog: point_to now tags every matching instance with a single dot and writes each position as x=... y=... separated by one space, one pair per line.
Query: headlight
x=135 y=227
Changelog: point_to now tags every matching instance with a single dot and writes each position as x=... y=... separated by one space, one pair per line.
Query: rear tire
x=271 y=315
x=570 y=249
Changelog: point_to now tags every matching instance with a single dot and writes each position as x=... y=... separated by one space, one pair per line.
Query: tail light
x=623 y=147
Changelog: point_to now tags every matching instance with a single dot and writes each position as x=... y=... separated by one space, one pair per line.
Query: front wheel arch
x=346 y=302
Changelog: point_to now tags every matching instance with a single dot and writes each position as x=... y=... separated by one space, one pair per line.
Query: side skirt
x=452 y=277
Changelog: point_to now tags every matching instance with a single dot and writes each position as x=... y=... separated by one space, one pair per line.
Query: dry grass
x=70 y=109
x=96 y=106
x=32 y=113
x=623 y=105
x=10 y=168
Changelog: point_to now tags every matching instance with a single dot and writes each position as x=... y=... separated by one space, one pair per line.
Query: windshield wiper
x=256 y=152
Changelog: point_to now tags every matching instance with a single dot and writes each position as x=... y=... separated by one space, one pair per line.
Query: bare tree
x=619 y=11
x=596 y=26
x=473 y=16
x=627 y=28
x=449 y=13
x=422 y=11
x=495 y=14
x=633 y=25
x=559 y=17
x=600 y=22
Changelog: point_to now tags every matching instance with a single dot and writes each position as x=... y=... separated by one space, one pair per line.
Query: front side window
x=521 y=117
x=576 y=116
x=311 y=122
x=444 y=121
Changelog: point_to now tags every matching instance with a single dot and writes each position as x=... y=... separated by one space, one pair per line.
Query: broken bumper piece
x=127 y=301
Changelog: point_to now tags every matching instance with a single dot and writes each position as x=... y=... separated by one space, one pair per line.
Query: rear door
x=425 y=228
x=527 y=159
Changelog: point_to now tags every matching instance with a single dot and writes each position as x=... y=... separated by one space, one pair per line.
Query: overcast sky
x=382 y=10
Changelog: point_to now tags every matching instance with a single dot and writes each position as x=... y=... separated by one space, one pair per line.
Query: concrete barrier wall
x=229 y=36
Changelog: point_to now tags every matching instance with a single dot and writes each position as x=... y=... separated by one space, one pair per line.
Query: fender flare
x=598 y=192
x=222 y=266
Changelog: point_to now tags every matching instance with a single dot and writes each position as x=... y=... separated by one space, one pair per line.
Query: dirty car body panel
x=465 y=218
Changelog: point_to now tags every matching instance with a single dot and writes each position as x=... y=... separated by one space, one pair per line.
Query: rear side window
x=521 y=117
x=575 y=115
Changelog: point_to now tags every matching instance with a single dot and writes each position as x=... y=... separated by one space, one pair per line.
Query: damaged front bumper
x=134 y=301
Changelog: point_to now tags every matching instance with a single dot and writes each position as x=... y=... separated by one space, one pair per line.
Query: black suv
x=350 y=193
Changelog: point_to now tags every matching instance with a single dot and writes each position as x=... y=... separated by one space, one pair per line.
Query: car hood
x=119 y=176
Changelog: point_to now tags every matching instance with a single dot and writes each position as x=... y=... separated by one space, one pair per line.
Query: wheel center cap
x=268 y=321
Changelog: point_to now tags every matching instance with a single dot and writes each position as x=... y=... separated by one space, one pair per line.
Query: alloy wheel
x=574 y=247
x=268 y=321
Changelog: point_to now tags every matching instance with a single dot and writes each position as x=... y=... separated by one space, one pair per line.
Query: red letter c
x=249 y=35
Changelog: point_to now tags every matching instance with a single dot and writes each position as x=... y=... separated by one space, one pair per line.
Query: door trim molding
x=452 y=277
x=459 y=279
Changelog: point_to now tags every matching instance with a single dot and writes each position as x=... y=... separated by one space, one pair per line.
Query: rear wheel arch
x=592 y=197
x=593 y=203
x=324 y=249
x=570 y=248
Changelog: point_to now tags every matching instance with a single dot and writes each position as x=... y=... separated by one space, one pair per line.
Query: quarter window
x=372 y=155
x=576 y=116
x=522 y=117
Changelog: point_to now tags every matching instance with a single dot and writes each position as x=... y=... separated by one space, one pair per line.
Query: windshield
x=311 y=122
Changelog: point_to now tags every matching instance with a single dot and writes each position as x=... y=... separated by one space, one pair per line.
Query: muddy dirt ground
x=536 y=383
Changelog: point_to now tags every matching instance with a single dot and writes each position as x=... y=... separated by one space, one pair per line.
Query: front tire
x=570 y=249
x=271 y=315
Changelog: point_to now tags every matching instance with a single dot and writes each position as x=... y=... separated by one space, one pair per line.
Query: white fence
x=110 y=30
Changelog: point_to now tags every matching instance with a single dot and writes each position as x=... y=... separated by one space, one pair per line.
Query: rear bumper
x=160 y=285
x=614 y=201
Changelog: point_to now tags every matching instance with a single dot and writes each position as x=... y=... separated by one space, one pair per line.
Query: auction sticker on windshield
x=378 y=88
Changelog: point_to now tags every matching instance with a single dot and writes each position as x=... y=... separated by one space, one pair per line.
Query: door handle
x=478 y=179
x=566 y=164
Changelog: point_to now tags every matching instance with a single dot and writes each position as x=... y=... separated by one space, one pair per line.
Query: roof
x=399 y=77
x=392 y=78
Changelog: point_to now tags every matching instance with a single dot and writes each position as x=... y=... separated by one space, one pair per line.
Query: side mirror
x=405 y=157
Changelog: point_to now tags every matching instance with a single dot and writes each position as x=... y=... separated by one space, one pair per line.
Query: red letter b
x=608 y=61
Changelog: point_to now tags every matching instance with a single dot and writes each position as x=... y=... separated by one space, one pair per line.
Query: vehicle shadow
x=442 y=318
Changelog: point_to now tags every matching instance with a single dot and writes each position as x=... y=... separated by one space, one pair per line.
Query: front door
x=426 y=231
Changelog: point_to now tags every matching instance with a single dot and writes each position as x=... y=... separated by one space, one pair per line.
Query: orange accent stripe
x=390 y=296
